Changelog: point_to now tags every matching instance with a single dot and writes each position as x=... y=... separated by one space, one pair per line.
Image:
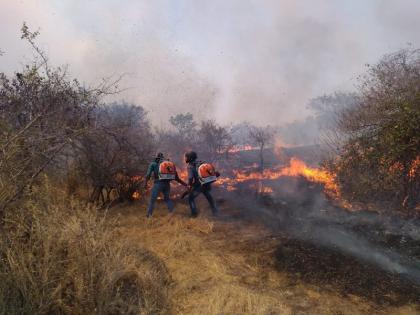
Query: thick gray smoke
x=236 y=60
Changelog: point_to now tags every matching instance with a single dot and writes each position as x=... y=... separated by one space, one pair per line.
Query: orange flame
x=135 y=195
x=240 y=148
x=296 y=168
x=136 y=178
x=415 y=168
x=266 y=190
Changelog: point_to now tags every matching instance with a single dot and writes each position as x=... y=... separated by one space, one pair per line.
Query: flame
x=183 y=174
x=266 y=190
x=296 y=168
x=240 y=148
x=231 y=188
x=136 y=178
x=415 y=168
x=135 y=195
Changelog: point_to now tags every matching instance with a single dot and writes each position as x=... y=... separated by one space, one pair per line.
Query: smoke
x=300 y=210
x=349 y=243
x=229 y=60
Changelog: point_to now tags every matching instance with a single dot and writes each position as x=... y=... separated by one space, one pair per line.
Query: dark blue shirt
x=153 y=170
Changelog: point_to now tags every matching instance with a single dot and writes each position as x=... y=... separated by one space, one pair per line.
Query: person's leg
x=153 y=196
x=191 y=200
x=166 y=190
x=206 y=192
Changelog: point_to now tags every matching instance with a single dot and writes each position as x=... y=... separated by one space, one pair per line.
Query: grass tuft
x=59 y=256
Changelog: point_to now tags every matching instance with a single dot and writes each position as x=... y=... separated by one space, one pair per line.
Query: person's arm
x=149 y=173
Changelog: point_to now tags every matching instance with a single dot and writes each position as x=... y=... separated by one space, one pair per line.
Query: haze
x=236 y=60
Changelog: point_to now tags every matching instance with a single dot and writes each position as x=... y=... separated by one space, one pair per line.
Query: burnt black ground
x=363 y=253
x=333 y=270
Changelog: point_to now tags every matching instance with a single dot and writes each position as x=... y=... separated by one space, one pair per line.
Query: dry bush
x=42 y=114
x=115 y=150
x=379 y=135
x=60 y=257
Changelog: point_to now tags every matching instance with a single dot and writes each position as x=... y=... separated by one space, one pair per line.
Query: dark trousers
x=163 y=187
x=205 y=189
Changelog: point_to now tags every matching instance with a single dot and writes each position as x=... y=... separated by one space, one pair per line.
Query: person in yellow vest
x=163 y=172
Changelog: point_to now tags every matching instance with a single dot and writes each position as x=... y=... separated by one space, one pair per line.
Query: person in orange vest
x=197 y=185
x=163 y=172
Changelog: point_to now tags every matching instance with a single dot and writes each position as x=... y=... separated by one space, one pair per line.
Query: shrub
x=380 y=135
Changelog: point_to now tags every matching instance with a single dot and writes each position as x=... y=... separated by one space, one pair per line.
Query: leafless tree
x=214 y=140
x=261 y=136
x=115 y=152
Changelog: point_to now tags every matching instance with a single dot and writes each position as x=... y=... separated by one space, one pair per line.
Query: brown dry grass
x=226 y=267
x=61 y=257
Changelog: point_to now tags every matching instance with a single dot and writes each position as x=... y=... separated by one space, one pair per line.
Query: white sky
x=231 y=60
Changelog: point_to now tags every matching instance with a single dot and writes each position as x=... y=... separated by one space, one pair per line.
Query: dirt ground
x=227 y=266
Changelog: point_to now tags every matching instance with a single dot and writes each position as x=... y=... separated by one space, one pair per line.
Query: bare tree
x=115 y=152
x=184 y=125
x=261 y=136
x=214 y=140
x=327 y=110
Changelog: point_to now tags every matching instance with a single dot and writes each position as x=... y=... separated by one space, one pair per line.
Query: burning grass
x=234 y=180
x=296 y=168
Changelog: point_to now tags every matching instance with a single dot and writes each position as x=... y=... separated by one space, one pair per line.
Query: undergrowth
x=59 y=256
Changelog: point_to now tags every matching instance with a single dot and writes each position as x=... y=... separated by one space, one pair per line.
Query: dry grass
x=69 y=259
x=60 y=257
x=225 y=267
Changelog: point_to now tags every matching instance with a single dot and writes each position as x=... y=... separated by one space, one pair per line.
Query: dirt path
x=226 y=266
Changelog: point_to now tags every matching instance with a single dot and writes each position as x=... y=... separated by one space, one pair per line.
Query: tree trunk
x=262 y=158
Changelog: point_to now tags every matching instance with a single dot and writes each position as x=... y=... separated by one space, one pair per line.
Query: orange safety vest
x=206 y=173
x=167 y=170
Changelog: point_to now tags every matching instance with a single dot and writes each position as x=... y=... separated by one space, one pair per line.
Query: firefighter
x=161 y=184
x=196 y=187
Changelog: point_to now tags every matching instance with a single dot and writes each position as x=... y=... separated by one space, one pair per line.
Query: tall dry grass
x=59 y=256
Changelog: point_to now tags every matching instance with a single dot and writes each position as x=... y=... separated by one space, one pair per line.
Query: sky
x=229 y=60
